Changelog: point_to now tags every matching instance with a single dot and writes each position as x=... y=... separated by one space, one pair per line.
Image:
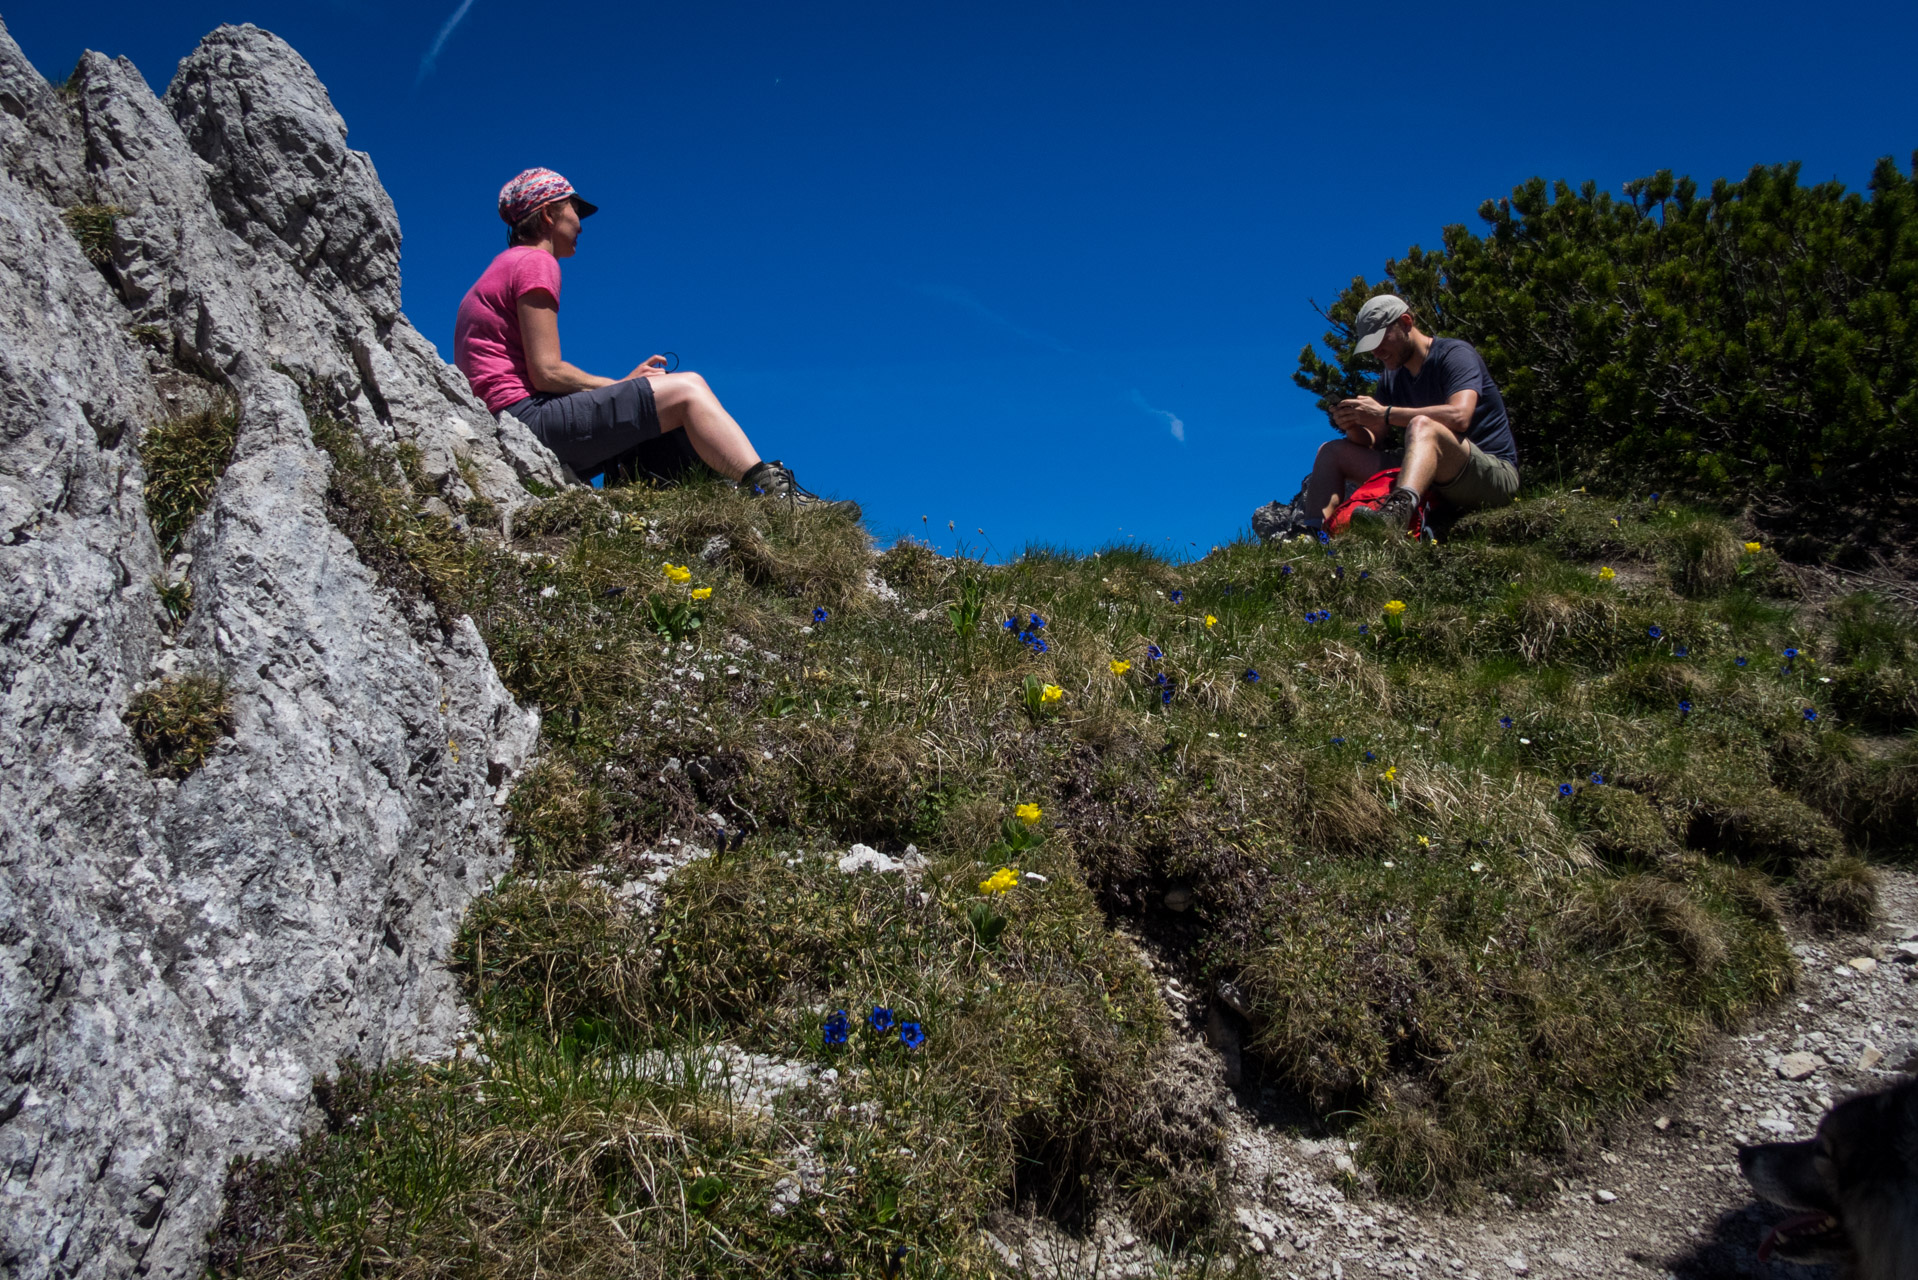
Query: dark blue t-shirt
x=1452 y=366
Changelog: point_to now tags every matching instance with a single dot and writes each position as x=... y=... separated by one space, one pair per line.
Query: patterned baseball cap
x=535 y=189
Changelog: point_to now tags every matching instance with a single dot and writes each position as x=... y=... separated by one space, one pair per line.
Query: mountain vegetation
x=1479 y=841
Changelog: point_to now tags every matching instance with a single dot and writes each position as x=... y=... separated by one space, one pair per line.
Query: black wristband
x=1388 y=417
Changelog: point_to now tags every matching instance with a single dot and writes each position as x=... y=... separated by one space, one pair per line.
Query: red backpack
x=1371 y=494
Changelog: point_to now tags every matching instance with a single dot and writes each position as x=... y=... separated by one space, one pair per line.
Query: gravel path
x=1659 y=1196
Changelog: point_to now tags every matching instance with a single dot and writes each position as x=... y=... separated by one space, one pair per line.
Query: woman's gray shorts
x=587 y=429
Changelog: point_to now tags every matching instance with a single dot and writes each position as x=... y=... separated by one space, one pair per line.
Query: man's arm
x=539 y=339
x=1365 y=413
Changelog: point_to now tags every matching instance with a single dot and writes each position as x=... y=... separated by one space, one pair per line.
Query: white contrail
x=1173 y=422
x=963 y=298
x=439 y=41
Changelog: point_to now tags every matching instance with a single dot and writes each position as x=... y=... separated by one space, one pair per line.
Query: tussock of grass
x=92 y=226
x=379 y=503
x=178 y=721
x=1455 y=960
x=184 y=459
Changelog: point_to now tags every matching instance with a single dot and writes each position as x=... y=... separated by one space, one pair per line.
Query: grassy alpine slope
x=1481 y=871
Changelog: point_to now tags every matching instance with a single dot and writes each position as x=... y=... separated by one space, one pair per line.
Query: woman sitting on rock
x=648 y=423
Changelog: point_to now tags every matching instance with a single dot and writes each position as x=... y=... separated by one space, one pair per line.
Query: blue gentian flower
x=1251 y=676
x=1324 y=537
x=1338 y=742
x=1364 y=574
x=1654 y=631
x=1655 y=498
x=1165 y=697
x=1025 y=637
x=1038 y=644
x=1682 y=651
x=1365 y=628
x=880 y=1019
x=834 y=1030
x=1228 y=588
x=1153 y=653
x=1811 y=714
x=1505 y=722
x=1176 y=597
x=1338 y=571
x=1565 y=788
x=1738 y=662
x=911 y=1034
x=1598 y=779
x=1037 y=623
x=1684 y=706
x=1791 y=653
x=1285 y=570
x=1159 y=679
x=1370 y=756
x=819 y=615
x=1012 y=623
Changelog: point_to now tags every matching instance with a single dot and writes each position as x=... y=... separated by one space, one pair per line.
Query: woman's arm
x=539 y=338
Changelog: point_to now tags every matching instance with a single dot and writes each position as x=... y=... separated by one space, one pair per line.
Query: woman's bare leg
x=686 y=403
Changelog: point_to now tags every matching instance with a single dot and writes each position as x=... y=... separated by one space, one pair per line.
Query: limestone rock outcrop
x=180 y=959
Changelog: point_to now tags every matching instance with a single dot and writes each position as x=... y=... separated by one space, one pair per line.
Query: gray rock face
x=178 y=961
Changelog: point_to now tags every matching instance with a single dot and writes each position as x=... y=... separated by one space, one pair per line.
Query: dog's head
x=1861 y=1165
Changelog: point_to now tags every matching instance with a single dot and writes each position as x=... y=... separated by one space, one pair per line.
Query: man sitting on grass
x=648 y=423
x=1458 y=441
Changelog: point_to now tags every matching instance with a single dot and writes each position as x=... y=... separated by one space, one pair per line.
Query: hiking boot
x=775 y=480
x=1394 y=514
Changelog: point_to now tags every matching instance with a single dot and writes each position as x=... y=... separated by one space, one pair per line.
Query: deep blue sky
x=969 y=262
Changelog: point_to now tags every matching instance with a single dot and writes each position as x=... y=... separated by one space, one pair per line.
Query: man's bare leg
x=1339 y=463
x=686 y=403
x=1434 y=455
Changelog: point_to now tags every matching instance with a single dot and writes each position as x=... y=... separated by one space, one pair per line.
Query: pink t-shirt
x=486 y=344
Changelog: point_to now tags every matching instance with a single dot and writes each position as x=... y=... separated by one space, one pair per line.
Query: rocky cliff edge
x=180 y=958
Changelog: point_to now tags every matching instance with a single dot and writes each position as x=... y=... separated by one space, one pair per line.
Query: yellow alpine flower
x=677 y=573
x=1051 y=693
x=1425 y=842
x=1027 y=813
x=1000 y=881
x=1210 y=620
x=1395 y=607
x=1390 y=775
x=702 y=593
x=1119 y=666
x=1754 y=546
x=1606 y=574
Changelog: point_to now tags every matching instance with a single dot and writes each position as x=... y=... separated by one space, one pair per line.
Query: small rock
x=1178 y=899
x=1662 y=1123
x=1797 y=1066
x=1519 y=1264
x=1870 y=1058
x=1864 y=964
x=1604 y=1197
x=1780 y=1127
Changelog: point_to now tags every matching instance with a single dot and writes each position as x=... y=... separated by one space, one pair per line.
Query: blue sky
x=1038 y=269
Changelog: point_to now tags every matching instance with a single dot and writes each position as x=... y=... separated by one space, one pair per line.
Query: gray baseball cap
x=1375 y=317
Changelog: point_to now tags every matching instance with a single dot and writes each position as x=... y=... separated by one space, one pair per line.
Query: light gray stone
x=179 y=961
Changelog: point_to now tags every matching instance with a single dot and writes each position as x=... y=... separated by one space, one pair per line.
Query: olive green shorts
x=1485 y=482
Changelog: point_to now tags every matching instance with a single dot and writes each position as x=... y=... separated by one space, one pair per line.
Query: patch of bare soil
x=1659 y=1195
